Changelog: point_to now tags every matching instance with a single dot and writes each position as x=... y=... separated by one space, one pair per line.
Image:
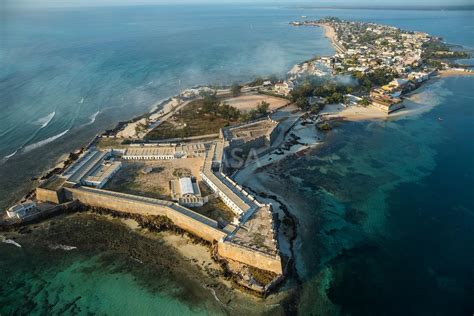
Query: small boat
x=304 y=16
x=440 y=119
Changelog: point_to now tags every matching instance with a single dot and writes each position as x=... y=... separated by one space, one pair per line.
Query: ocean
x=386 y=222
x=67 y=74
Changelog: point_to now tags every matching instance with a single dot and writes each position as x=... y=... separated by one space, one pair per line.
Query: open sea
x=388 y=222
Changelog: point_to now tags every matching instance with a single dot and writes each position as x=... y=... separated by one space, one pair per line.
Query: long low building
x=159 y=152
x=237 y=199
x=102 y=174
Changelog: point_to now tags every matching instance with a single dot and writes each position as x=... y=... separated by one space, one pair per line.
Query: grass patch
x=216 y=210
x=106 y=143
x=126 y=181
x=182 y=172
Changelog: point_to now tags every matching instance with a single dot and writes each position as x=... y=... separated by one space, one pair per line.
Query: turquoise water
x=387 y=220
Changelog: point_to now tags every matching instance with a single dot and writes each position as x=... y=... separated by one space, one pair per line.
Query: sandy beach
x=330 y=33
x=352 y=113
x=454 y=73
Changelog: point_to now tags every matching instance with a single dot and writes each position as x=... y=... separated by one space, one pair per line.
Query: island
x=175 y=167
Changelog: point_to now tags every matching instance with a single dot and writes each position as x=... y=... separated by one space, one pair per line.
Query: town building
x=283 y=88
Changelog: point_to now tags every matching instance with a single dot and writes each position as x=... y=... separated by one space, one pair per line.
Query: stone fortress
x=250 y=240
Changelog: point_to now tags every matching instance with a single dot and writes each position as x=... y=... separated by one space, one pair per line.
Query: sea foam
x=44 y=121
x=44 y=141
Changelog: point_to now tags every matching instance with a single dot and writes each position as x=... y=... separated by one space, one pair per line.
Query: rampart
x=182 y=217
x=249 y=256
x=47 y=195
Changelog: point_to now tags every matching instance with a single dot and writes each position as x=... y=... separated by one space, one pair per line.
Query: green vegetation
x=199 y=117
x=182 y=172
x=364 y=101
x=105 y=143
x=438 y=49
x=127 y=181
x=204 y=116
x=332 y=91
x=378 y=77
x=216 y=210
x=261 y=276
x=260 y=111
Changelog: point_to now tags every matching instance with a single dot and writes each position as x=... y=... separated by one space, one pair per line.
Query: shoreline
x=454 y=73
x=330 y=33
x=351 y=113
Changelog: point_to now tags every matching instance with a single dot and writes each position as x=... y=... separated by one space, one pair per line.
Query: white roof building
x=186 y=186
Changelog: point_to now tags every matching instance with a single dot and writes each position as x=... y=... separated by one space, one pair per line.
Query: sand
x=167 y=107
x=454 y=73
x=130 y=130
x=353 y=113
x=197 y=253
x=155 y=184
x=250 y=101
x=413 y=105
x=330 y=33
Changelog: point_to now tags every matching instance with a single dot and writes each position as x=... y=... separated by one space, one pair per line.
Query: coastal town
x=178 y=162
x=387 y=62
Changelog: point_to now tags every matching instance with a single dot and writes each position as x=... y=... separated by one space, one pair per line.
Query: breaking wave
x=62 y=247
x=44 y=141
x=92 y=118
x=44 y=121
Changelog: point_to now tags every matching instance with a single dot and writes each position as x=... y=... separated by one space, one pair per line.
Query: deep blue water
x=387 y=220
x=387 y=224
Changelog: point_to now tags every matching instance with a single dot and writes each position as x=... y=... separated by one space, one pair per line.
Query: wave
x=44 y=141
x=62 y=247
x=10 y=155
x=92 y=118
x=44 y=121
x=10 y=241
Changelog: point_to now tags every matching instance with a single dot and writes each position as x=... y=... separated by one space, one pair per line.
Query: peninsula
x=176 y=165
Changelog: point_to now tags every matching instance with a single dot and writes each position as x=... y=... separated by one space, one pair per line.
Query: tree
x=245 y=116
x=305 y=89
x=302 y=103
x=315 y=108
x=336 y=97
x=229 y=112
x=364 y=102
x=210 y=103
x=263 y=107
x=235 y=89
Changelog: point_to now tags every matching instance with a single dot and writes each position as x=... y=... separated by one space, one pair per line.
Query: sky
x=66 y=3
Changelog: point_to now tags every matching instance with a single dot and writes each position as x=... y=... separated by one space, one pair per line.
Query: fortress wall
x=47 y=195
x=204 y=229
x=251 y=257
